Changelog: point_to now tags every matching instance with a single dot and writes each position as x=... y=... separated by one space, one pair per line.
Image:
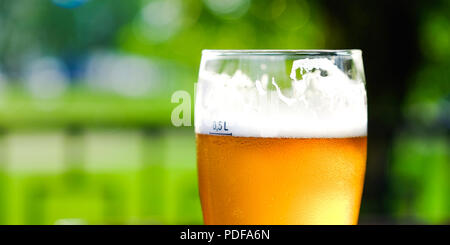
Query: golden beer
x=268 y=181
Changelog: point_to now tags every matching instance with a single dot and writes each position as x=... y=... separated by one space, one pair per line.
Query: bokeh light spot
x=231 y=9
x=69 y=3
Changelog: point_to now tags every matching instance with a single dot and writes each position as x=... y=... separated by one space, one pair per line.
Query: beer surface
x=250 y=180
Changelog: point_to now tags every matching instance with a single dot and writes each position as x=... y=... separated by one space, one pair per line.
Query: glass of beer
x=281 y=136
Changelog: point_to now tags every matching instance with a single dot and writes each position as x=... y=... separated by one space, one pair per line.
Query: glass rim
x=279 y=52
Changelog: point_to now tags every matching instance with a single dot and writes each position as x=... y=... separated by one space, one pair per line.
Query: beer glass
x=281 y=136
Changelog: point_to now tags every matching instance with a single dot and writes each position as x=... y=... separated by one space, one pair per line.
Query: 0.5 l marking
x=219 y=125
x=220 y=128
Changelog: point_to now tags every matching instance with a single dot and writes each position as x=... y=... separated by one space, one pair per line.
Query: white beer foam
x=315 y=106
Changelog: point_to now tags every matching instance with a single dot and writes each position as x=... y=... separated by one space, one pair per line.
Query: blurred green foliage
x=420 y=170
x=420 y=177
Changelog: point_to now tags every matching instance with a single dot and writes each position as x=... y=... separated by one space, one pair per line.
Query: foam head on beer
x=320 y=100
